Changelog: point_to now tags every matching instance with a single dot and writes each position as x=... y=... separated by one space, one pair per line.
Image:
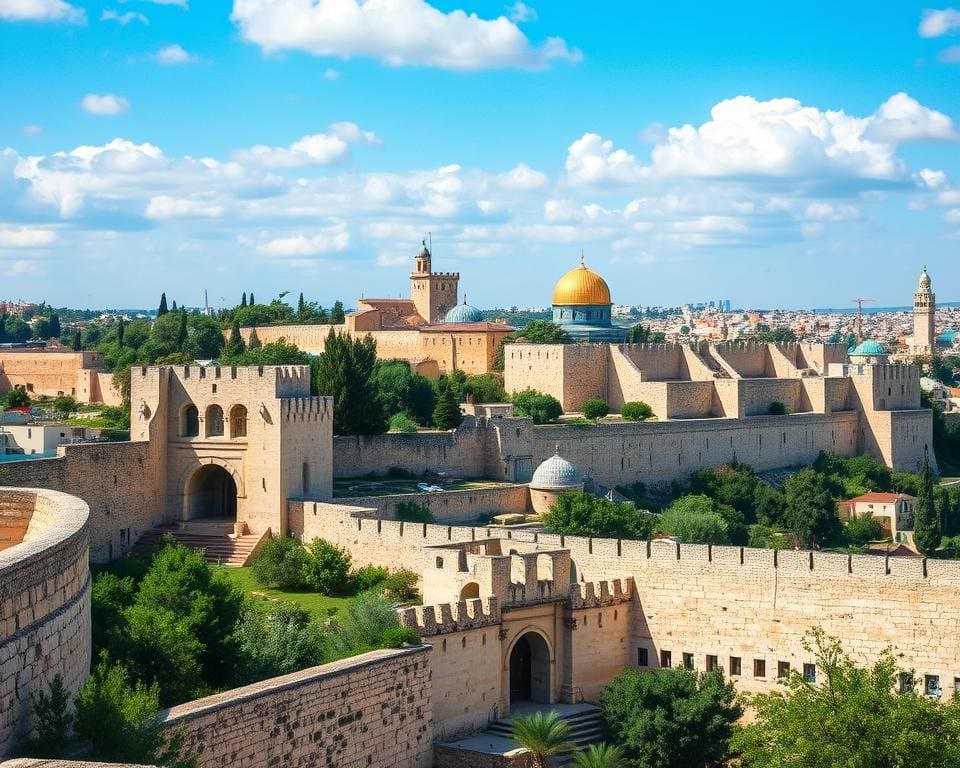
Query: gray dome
x=464 y=313
x=424 y=252
x=557 y=472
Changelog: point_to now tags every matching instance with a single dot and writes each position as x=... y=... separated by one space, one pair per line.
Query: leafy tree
x=327 y=568
x=781 y=333
x=862 y=530
x=850 y=717
x=734 y=484
x=600 y=755
x=345 y=370
x=280 y=563
x=15 y=398
x=810 y=513
x=51 y=710
x=578 y=513
x=446 y=413
x=205 y=338
x=118 y=715
x=636 y=411
x=765 y=537
x=671 y=718
x=401 y=586
x=370 y=622
x=301 y=307
x=77 y=343
x=537 y=406
x=926 y=524
x=694 y=519
x=542 y=734
x=401 y=391
x=776 y=408
x=235 y=346
x=182 y=330
x=401 y=422
x=484 y=388
x=162 y=309
x=544 y=332
x=336 y=314
x=277 y=352
x=595 y=408
x=276 y=644
x=110 y=596
x=768 y=504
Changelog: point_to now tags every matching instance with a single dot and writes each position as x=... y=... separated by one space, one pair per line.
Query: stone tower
x=924 y=311
x=433 y=293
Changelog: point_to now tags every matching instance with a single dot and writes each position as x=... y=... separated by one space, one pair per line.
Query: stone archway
x=530 y=669
x=211 y=492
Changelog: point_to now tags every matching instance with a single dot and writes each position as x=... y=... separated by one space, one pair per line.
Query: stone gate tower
x=432 y=293
x=924 y=311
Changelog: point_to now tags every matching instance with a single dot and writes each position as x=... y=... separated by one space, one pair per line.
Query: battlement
x=593 y=594
x=429 y=620
x=306 y=408
x=288 y=379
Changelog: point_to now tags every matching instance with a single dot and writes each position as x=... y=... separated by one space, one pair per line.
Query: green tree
x=77 y=343
x=345 y=370
x=301 y=307
x=768 y=504
x=446 y=413
x=336 y=313
x=235 y=346
x=636 y=411
x=252 y=301
x=182 y=331
x=578 y=513
x=926 y=522
x=280 y=563
x=542 y=734
x=671 y=718
x=862 y=530
x=537 y=406
x=851 y=716
x=733 y=484
x=327 y=568
x=595 y=408
x=400 y=390
x=281 y=642
x=51 y=710
x=205 y=339
x=162 y=309
x=121 y=332
x=544 y=332
x=484 y=388
x=600 y=755
x=810 y=513
x=695 y=519
x=402 y=422
x=15 y=398
x=253 y=341
x=243 y=299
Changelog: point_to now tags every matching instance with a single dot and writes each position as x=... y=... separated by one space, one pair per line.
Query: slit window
x=643 y=657
x=735 y=665
x=666 y=659
x=759 y=668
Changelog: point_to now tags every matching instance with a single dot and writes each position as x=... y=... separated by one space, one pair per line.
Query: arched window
x=190 y=422
x=238 y=421
x=470 y=591
x=214 y=421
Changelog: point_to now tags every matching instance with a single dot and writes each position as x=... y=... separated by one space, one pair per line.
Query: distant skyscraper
x=924 y=312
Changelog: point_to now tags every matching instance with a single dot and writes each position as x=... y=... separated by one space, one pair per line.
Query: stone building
x=923 y=341
x=57 y=371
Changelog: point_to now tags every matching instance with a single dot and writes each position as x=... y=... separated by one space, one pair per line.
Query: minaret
x=924 y=312
x=432 y=293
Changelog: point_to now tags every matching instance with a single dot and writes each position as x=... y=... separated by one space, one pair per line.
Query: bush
x=280 y=564
x=636 y=411
x=401 y=587
x=537 y=406
x=368 y=577
x=397 y=637
x=276 y=644
x=54 y=719
x=578 y=513
x=327 y=568
x=14 y=399
x=777 y=409
x=364 y=627
x=695 y=520
x=413 y=512
x=862 y=530
x=63 y=404
x=401 y=422
x=595 y=408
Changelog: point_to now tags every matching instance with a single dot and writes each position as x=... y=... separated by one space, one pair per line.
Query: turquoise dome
x=464 y=313
x=947 y=337
x=867 y=348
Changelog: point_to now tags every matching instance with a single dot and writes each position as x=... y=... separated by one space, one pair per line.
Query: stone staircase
x=585 y=721
x=216 y=539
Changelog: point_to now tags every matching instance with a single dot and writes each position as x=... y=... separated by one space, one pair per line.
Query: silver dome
x=557 y=472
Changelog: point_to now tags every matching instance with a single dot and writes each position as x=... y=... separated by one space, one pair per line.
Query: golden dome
x=581 y=286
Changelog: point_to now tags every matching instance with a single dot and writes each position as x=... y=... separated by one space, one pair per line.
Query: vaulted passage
x=212 y=493
x=530 y=670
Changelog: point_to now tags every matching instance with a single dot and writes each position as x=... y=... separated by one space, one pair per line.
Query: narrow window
x=643 y=657
x=783 y=669
x=305 y=479
x=734 y=665
x=712 y=663
x=688 y=661
x=810 y=673
x=931 y=685
x=759 y=668
x=666 y=659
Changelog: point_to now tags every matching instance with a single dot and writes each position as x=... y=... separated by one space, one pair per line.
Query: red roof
x=880 y=498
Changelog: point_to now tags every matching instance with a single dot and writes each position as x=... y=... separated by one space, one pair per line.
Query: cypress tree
x=301 y=307
x=3 y=327
x=182 y=331
x=254 y=341
x=243 y=299
x=446 y=413
x=55 y=329
x=252 y=300
x=235 y=346
x=345 y=372
x=121 y=329
x=336 y=314
x=77 y=342
x=162 y=309
x=173 y=308
x=926 y=525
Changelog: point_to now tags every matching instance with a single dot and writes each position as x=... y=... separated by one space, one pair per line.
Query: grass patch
x=320 y=606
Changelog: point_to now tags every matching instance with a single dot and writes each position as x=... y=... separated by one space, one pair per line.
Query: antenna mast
x=859 y=301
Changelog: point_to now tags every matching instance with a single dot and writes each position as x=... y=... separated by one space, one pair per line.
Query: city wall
x=44 y=604
x=53 y=373
x=368 y=711
x=449 y=506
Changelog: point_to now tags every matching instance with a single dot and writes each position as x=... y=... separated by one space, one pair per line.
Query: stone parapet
x=429 y=620
x=595 y=594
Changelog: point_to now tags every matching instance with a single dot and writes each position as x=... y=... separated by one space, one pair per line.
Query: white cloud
x=931 y=179
x=353 y=134
x=822 y=211
x=330 y=73
x=41 y=10
x=181 y=3
x=937 y=23
x=32 y=129
x=522 y=178
x=123 y=18
x=313 y=149
x=952 y=216
x=397 y=32
x=593 y=160
x=521 y=12
x=174 y=54
x=168 y=207
x=303 y=246
x=105 y=104
x=902 y=118
x=25 y=237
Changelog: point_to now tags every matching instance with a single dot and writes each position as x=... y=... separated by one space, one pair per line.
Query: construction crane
x=859 y=301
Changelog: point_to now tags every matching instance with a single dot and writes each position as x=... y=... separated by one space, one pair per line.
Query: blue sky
x=693 y=151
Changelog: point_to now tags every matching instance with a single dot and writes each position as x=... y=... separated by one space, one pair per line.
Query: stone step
x=217 y=548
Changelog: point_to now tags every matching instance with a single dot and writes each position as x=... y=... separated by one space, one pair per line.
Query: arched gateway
x=211 y=492
x=530 y=669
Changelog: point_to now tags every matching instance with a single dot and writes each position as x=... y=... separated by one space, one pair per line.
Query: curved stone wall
x=44 y=601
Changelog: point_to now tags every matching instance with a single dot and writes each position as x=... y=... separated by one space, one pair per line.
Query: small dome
x=424 y=252
x=924 y=283
x=557 y=473
x=464 y=313
x=867 y=348
x=581 y=286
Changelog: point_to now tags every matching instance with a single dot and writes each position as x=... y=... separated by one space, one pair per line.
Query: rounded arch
x=190 y=473
x=529 y=664
x=470 y=591
x=211 y=492
x=238 y=421
x=189 y=421
x=213 y=421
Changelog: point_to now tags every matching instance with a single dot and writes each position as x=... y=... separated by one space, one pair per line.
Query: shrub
x=369 y=577
x=578 y=513
x=276 y=644
x=63 y=404
x=777 y=409
x=401 y=587
x=595 y=408
x=401 y=422
x=399 y=473
x=53 y=716
x=280 y=564
x=327 y=568
x=364 y=627
x=636 y=411
x=537 y=406
x=695 y=520
x=413 y=512
x=397 y=637
x=862 y=530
